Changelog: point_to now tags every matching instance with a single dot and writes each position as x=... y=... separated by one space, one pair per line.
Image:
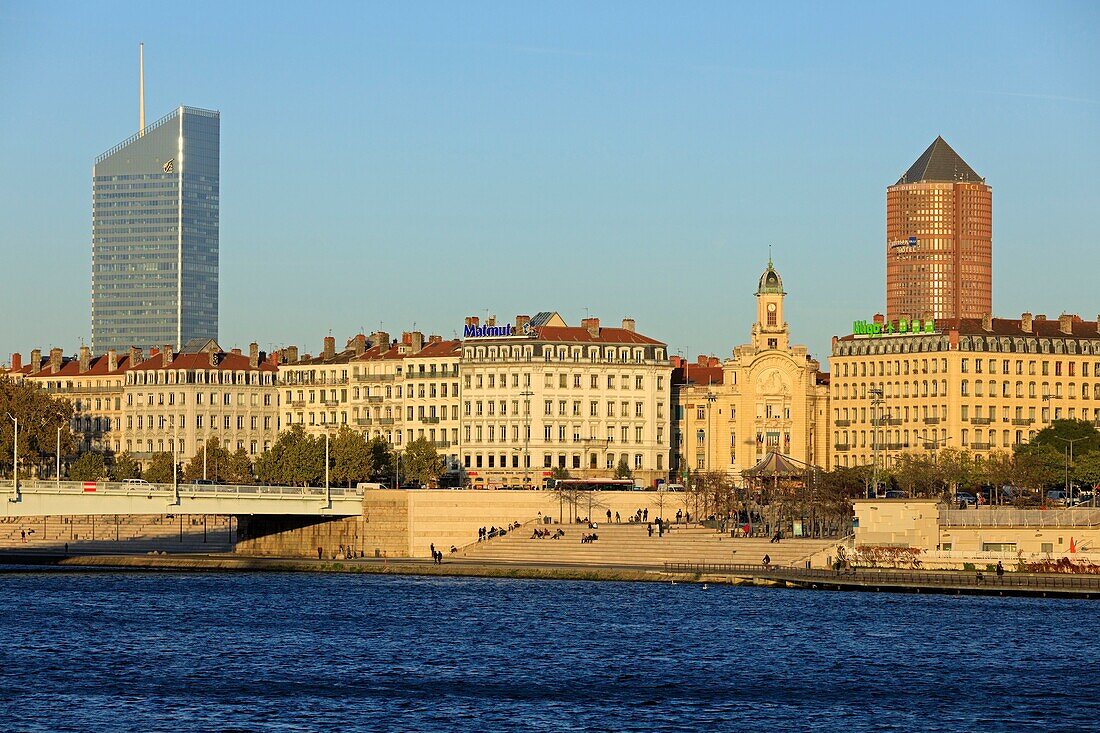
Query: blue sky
x=404 y=164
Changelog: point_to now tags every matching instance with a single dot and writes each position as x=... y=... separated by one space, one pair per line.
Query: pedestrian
x=660 y=528
x=645 y=515
x=679 y=515
x=609 y=516
x=650 y=528
x=617 y=519
x=767 y=561
x=66 y=549
x=23 y=534
x=433 y=550
x=1000 y=570
x=320 y=551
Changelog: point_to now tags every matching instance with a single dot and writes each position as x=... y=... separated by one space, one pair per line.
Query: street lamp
x=1069 y=459
x=15 y=460
x=328 y=491
x=59 y=457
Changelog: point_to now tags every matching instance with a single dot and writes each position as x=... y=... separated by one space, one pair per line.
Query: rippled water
x=300 y=652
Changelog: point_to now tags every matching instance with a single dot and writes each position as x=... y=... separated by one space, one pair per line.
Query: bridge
x=47 y=498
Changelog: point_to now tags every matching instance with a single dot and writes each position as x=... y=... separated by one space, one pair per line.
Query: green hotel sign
x=904 y=326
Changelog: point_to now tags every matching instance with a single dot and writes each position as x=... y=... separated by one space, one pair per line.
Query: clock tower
x=770 y=331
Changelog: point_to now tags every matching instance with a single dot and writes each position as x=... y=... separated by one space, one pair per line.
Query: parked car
x=131 y=482
x=1057 y=497
x=895 y=494
x=965 y=498
x=675 y=487
x=202 y=482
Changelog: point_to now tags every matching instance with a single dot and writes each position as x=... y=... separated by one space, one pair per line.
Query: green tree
x=421 y=462
x=559 y=473
x=1057 y=434
x=296 y=459
x=39 y=417
x=238 y=468
x=160 y=469
x=217 y=463
x=622 y=471
x=350 y=455
x=381 y=459
x=126 y=467
x=88 y=467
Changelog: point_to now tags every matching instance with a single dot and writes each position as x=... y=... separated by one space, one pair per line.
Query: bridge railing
x=116 y=488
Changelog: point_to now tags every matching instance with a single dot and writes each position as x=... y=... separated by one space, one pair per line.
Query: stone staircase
x=114 y=534
x=631 y=545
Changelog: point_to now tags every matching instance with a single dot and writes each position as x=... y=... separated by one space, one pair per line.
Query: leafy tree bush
x=88 y=467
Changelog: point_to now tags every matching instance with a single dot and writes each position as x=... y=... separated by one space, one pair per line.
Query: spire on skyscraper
x=940 y=164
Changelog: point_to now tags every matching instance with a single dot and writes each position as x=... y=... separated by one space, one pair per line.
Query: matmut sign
x=482 y=332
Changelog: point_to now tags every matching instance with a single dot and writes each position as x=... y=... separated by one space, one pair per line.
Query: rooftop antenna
x=141 y=91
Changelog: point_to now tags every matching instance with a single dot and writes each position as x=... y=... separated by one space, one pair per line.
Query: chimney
x=112 y=360
x=1065 y=323
x=1041 y=317
x=953 y=339
x=381 y=339
x=16 y=362
x=85 y=358
x=712 y=361
x=593 y=326
x=701 y=360
x=987 y=322
x=435 y=339
x=291 y=354
x=522 y=321
x=235 y=351
x=135 y=356
x=55 y=360
x=166 y=355
x=1097 y=326
x=879 y=319
x=330 y=348
x=36 y=360
x=417 y=342
x=628 y=324
x=253 y=355
x=359 y=344
x=1025 y=322
x=677 y=362
x=491 y=321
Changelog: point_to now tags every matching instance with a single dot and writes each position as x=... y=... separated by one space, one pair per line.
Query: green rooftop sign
x=904 y=326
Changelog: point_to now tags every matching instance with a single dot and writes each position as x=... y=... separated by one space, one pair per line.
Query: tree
x=39 y=417
x=381 y=459
x=622 y=471
x=216 y=460
x=126 y=467
x=559 y=473
x=1087 y=469
x=161 y=469
x=238 y=468
x=88 y=467
x=296 y=459
x=421 y=462
x=1057 y=434
x=350 y=454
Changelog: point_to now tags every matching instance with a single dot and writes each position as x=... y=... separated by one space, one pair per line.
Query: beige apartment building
x=94 y=386
x=399 y=391
x=983 y=384
x=540 y=394
x=770 y=396
x=176 y=401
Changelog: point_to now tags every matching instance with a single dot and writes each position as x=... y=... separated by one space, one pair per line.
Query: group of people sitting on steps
x=546 y=534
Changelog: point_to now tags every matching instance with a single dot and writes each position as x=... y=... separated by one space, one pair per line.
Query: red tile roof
x=697 y=375
x=583 y=335
x=438 y=349
x=227 y=362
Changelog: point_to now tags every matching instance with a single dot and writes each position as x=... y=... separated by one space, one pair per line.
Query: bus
x=593 y=484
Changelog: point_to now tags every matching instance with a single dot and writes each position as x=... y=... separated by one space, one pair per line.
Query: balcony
x=363 y=421
x=980 y=446
x=375 y=378
x=375 y=398
x=892 y=421
x=330 y=402
x=112 y=389
x=1023 y=421
x=842 y=423
x=385 y=421
x=981 y=420
x=843 y=446
x=441 y=443
x=889 y=446
x=931 y=421
x=296 y=403
x=430 y=420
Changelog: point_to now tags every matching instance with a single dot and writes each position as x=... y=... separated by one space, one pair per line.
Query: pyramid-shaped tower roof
x=940 y=164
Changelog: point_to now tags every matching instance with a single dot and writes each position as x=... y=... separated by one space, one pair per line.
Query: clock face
x=771 y=307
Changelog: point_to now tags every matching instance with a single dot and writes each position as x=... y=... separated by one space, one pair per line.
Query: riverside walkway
x=962 y=582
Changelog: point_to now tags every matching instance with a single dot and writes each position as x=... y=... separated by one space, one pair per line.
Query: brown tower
x=939 y=239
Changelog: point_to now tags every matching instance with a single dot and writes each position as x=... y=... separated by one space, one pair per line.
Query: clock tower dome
x=770 y=330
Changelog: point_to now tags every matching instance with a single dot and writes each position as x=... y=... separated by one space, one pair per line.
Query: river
x=329 y=652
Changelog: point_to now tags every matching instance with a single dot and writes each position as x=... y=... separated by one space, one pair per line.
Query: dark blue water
x=297 y=652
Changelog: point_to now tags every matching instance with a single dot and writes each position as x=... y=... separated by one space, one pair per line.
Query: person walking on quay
x=23 y=535
x=650 y=528
x=320 y=551
x=617 y=519
x=433 y=551
x=679 y=515
x=645 y=515
x=1000 y=571
x=609 y=516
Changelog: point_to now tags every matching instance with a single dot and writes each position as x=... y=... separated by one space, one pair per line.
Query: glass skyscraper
x=155 y=235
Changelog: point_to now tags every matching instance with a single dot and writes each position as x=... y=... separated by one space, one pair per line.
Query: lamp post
x=175 y=460
x=876 y=404
x=204 y=461
x=328 y=490
x=1069 y=459
x=15 y=460
x=59 y=457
